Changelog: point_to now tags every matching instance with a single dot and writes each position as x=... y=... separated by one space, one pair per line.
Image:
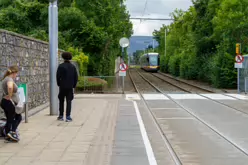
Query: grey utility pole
x=165 y=31
x=53 y=55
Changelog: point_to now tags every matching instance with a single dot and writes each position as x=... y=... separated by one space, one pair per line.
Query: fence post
x=84 y=83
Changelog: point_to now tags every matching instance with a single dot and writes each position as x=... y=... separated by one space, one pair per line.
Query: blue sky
x=153 y=9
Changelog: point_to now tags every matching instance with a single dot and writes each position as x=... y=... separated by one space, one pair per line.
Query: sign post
x=23 y=94
x=239 y=62
x=124 y=42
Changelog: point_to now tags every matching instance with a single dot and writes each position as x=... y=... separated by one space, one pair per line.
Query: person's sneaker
x=60 y=118
x=68 y=119
x=13 y=136
x=9 y=140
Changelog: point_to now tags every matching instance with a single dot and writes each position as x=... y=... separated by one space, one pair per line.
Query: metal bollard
x=26 y=112
x=26 y=105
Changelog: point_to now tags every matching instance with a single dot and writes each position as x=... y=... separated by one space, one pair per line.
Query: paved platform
x=104 y=131
x=117 y=129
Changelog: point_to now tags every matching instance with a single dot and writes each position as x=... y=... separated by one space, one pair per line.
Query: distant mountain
x=140 y=43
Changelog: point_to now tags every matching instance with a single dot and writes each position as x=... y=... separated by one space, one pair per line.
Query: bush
x=223 y=72
x=174 y=65
x=90 y=83
x=188 y=68
x=205 y=67
x=81 y=59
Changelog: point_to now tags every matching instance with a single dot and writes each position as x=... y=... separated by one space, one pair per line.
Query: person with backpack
x=9 y=100
x=67 y=78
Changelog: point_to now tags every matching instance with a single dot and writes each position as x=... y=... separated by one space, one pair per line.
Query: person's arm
x=10 y=86
x=75 y=77
x=58 y=75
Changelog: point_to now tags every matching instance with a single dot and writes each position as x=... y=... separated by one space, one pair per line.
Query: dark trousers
x=68 y=94
x=13 y=119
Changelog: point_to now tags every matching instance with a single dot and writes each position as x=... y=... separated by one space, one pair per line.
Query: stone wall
x=32 y=57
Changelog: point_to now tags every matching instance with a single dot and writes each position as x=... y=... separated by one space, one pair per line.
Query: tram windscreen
x=153 y=60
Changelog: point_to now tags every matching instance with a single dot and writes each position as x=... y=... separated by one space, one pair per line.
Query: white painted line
x=186 y=96
x=163 y=108
x=132 y=97
x=155 y=97
x=218 y=97
x=238 y=96
x=149 y=151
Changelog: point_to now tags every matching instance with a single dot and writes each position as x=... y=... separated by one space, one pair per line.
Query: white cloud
x=153 y=9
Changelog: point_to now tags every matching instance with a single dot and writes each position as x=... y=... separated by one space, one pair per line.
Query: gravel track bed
x=162 y=85
x=129 y=87
x=142 y=85
x=187 y=87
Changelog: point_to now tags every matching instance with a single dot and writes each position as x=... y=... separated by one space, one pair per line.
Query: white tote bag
x=20 y=105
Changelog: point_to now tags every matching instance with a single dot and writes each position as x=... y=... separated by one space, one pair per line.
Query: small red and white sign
x=239 y=59
x=123 y=67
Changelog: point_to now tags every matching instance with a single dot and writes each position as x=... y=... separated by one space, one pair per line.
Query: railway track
x=143 y=87
x=190 y=84
x=180 y=84
x=183 y=86
x=186 y=87
x=135 y=78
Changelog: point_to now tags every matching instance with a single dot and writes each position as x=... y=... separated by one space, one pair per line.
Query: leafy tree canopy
x=200 y=44
x=94 y=27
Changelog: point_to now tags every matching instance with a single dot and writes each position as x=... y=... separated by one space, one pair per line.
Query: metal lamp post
x=53 y=55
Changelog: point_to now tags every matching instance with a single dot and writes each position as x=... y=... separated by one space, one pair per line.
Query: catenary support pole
x=165 y=42
x=53 y=56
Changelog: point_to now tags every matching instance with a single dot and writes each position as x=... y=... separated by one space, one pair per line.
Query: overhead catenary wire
x=142 y=15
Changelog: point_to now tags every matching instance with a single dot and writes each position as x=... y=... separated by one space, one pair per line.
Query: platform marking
x=238 y=96
x=218 y=97
x=155 y=97
x=132 y=97
x=186 y=96
x=149 y=151
x=164 y=108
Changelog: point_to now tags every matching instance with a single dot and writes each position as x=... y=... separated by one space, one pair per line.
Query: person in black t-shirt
x=67 y=78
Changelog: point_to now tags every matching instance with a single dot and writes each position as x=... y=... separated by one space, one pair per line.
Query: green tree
x=201 y=41
x=92 y=26
x=137 y=55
